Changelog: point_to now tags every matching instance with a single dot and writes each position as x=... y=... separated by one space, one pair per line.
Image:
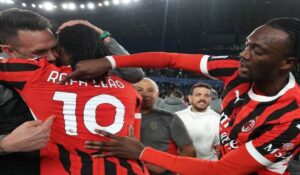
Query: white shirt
x=203 y=128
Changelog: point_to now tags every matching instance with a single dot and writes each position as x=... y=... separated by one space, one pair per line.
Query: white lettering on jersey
x=82 y=83
x=111 y=83
x=224 y=120
x=53 y=76
x=73 y=82
x=277 y=152
x=69 y=109
x=89 y=114
x=233 y=144
x=224 y=138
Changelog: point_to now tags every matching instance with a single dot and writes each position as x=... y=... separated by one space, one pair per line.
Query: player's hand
x=75 y=22
x=88 y=69
x=123 y=147
x=30 y=136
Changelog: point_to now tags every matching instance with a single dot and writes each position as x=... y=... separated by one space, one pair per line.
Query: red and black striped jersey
x=267 y=126
x=80 y=107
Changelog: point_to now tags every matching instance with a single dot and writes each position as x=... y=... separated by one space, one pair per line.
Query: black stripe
x=87 y=163
x=110 y=167
x=259 y=109
x=260 y=131
x=232 y=109
x=285 y=137
x=235 y=108
x=222 y=72
x=125 y=164
x=64 y=157
x=231 y=85
x=277 y=114
x=18 y=85
x=17 y=67
x=273 y=116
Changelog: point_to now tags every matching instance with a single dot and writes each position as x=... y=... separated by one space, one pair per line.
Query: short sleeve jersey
x=80 y=108
x=164 y=131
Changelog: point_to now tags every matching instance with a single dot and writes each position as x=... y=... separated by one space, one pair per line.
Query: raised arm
x=132 y=75
x=89 y=69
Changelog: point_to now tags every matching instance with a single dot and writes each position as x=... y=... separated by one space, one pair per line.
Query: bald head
x=149 y=91
x=149 y=82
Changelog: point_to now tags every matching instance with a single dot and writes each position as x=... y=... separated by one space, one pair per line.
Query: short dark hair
x=82 y=43
x=291 y=26
x=198 y=85
x=12 y=20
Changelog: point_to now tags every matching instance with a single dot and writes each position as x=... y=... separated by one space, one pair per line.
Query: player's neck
x=272 y=87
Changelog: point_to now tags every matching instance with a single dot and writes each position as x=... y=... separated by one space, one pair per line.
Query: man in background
x=202 y=122
x=160 y=129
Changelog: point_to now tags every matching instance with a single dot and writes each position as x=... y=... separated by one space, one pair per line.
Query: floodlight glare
x=64 y=6
x=8 y=1
x=126 y=1
x=33 y=5
x=106 y=3
x=41 y=6
x=82 y=6
x=24 y=4
x=116 y=2
x=72 y=6
x=48 y=6
x=100 y=4
x=91 y=5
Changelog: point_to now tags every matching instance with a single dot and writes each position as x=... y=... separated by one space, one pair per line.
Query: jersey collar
x=261 y=98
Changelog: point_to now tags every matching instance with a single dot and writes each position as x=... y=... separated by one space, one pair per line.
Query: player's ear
x=288 y=63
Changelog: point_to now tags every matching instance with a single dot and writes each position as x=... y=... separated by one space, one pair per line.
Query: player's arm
x=89 y=69
x=16 y=72
x=180 y=136
x=129 y=148
x=132 y=75
x=210 y=66
x=189 y=166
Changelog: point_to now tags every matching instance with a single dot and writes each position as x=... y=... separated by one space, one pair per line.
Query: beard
x=200 y=107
